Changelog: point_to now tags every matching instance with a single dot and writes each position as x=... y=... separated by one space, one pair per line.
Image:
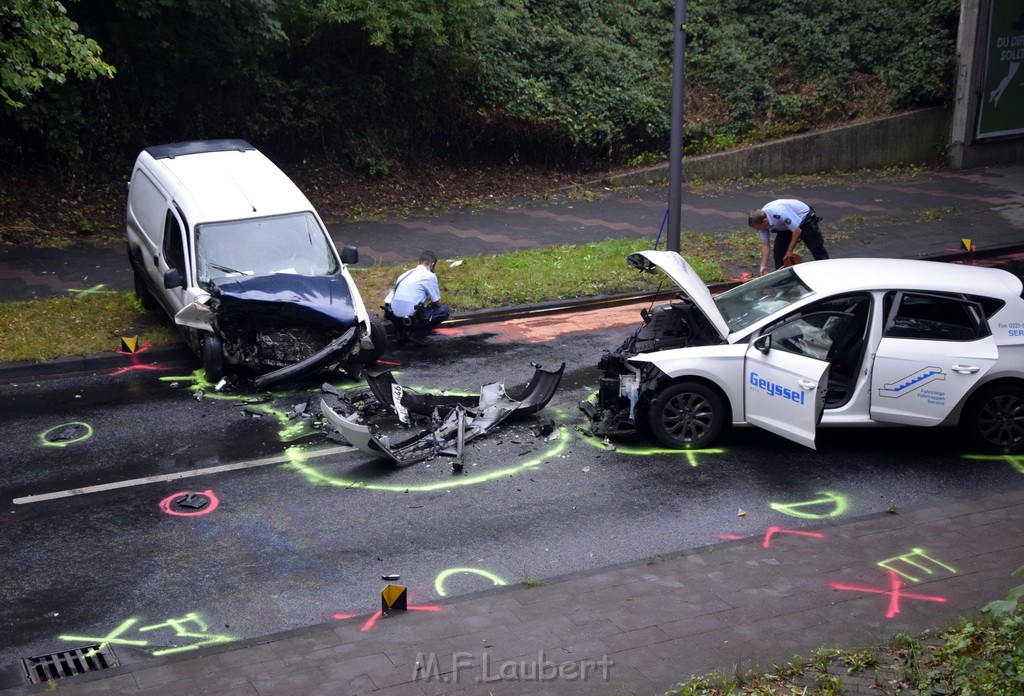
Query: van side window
x=174 y=250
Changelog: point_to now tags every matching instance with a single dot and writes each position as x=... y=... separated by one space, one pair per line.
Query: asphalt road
x=304 y=533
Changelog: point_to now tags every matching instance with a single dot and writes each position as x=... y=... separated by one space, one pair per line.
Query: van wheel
x=142 y=292
x=994 y=419
x=213 y=358
x=379 y=337
x=687 y=415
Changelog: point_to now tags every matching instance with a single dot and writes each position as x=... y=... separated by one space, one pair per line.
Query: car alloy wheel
x=687 y=415
x=997 y=420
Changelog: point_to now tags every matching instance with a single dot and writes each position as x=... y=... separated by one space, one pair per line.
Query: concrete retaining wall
x=917 y=137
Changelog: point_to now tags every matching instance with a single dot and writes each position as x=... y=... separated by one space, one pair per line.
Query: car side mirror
x=349 y=255
x=173 y=279
x=763 y=343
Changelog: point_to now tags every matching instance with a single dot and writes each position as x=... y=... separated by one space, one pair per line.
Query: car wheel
x=687 y=415
x=213 y=358
x=379 y=336
x=995 y=419
x=142 y=292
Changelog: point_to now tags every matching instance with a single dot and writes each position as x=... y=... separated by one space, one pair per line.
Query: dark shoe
x=419 y=338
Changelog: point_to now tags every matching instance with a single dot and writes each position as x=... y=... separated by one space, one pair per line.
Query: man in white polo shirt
x=415 y=301
x=791 y=221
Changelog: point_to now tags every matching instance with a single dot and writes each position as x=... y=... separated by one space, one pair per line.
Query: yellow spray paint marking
x=690 y=455
x=915 y=558
x=840 y=503
x=1016 y=461
x=112 y=637
x=443 y=576
x=86 y=434
x=297 y=461
x=180 y=626
x=290 y=429
x=94 y=290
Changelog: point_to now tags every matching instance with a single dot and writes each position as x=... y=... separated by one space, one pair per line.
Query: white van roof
x=215 y=180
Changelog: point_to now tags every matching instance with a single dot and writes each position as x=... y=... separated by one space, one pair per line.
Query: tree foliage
x=41 y=46
x=372 y=81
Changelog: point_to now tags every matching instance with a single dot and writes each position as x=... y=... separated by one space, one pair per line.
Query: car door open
x=786 y=373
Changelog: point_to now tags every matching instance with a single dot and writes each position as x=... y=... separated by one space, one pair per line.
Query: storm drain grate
x=69 y=663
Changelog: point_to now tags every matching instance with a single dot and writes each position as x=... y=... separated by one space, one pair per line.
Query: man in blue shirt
x=415 y=301
x=791 y=220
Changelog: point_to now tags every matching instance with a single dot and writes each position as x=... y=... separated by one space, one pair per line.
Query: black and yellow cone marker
x=967 y=245
x=129 y=344
x=393 y=597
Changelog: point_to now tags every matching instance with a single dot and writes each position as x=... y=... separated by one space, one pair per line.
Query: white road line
x=251 y=464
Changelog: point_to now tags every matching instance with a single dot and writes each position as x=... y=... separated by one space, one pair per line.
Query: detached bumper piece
x=454 y=420
x=335 y=351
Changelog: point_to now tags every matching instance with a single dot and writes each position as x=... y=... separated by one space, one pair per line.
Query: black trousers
x=810 y=235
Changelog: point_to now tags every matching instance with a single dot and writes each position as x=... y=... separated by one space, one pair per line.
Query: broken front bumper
x=454 y=420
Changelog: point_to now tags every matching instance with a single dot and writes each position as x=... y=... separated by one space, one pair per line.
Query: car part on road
x=447 y=423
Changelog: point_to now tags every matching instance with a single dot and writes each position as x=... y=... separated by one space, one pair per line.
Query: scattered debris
x=191 y=500
x=543 y=428
x=330 y=389
x=741 y=513
x=444 y=423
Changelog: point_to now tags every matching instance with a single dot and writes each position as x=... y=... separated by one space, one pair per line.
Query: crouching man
x=414 y=304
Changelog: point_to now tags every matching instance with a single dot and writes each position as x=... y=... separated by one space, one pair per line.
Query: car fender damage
x=451 y=421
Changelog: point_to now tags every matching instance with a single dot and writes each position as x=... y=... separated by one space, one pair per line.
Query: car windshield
x=293 y=243
x=747 y=304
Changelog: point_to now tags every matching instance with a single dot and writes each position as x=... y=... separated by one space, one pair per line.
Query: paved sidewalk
x=864 y=215
x=636 y=628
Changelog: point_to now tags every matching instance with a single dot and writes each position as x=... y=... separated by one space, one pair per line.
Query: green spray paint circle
x=445 y=574
x=64 y=443
x=297 y=461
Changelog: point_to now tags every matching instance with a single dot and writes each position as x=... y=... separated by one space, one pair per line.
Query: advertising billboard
x=1002 y=99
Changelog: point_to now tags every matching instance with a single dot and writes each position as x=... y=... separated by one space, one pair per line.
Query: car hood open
x=676 y=268
x=319 y=301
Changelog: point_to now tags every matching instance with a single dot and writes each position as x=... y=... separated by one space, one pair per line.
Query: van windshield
x=293 y=243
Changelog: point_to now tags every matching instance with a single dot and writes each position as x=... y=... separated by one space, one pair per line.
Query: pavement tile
x=304 y=644
x=469 y=642
x=117 y=684
x=346 y=687
x=474 y=622
x=634 y=639
x=296 y=681
x=353 y=667
x=695 y=625
x=653 y=668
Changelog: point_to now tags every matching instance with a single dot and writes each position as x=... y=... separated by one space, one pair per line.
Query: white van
x=231 y=249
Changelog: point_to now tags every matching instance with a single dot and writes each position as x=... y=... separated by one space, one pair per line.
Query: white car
x=842 y=342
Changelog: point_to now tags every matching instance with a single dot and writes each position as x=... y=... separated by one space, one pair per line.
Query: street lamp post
x=675 y=157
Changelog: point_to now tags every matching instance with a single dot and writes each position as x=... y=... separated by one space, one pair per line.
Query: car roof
x=843 y=275
x=212 y=183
